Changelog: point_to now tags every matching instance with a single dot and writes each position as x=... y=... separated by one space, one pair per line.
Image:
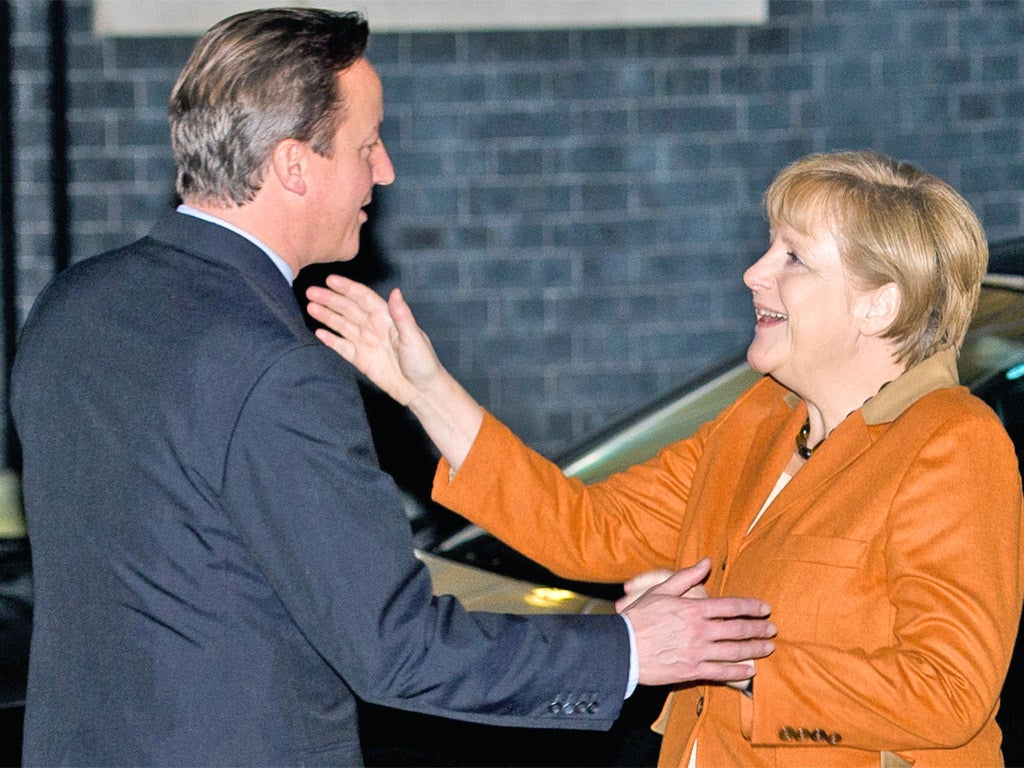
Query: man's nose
x=383 y=170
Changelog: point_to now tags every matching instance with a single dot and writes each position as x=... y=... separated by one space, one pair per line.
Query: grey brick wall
x=574 y=209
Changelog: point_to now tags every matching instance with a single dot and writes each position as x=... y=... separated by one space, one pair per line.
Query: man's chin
x=341 y=255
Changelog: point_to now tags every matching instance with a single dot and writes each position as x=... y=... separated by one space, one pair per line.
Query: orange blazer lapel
x=839 y=450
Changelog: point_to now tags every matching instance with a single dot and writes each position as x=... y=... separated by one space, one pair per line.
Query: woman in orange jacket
x=857 y=488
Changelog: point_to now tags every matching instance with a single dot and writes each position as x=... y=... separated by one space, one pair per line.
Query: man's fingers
x=728 y=607
x=722 y=672
x=644 y=581
x=684 y=579
x=678 y=637
x=740 y=650
x=741 y=629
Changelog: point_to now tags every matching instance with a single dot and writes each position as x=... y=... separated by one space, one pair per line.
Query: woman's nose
x=756 y=276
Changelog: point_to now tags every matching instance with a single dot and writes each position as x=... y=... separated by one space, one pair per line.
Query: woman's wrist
x=449 y=415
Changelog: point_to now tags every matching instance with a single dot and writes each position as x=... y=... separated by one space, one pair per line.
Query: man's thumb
x=684 y=579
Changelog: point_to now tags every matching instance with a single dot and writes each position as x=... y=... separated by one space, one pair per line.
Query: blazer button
x=787 y=734
x=580 y=708
x=802 y=734
x=555 y=707
x=819 y=735
x=834 y=738
x=700 y=705
x=592 y=708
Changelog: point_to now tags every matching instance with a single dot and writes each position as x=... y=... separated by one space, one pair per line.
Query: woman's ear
x=288 y=164
x=881 y=307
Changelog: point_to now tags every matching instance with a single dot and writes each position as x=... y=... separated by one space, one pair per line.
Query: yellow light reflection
x=548 y=597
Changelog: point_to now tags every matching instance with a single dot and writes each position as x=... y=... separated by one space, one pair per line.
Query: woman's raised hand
x=379 y=338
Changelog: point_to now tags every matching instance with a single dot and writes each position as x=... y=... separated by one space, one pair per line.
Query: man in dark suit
x=221 y=566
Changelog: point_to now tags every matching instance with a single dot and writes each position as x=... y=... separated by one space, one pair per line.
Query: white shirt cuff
x=634 y=660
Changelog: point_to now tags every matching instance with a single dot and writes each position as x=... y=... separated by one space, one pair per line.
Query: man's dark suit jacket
x=221 y=566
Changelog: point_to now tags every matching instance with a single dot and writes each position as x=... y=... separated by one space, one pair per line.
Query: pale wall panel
x=191 y=17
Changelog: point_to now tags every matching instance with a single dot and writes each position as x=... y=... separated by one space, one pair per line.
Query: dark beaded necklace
x=805 y=432
x=801 y=441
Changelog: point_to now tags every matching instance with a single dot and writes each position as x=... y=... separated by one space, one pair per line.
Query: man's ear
x=880 y=309
x=288 y=163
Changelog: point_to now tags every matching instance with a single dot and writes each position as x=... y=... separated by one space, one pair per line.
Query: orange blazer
x=891 y=561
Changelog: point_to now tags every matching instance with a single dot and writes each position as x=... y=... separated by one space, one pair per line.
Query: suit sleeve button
x=819 y=735
x=834 y=738
x=592 y=708
x=555 y=707
x=787 y=734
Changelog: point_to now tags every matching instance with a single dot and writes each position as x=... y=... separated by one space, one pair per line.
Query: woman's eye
x=792 y=257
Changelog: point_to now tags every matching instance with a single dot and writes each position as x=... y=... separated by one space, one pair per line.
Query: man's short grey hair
x=253 y=80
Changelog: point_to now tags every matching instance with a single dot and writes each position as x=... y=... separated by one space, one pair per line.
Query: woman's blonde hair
x=893 y=223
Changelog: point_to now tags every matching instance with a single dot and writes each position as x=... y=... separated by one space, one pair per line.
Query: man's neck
x=226 y=217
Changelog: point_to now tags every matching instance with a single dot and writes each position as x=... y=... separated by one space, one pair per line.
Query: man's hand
x=638 y=586
x=681 y=639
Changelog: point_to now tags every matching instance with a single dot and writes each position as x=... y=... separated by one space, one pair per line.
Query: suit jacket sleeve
x=325 y=525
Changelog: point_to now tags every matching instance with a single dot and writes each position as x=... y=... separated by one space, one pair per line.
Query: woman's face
x=806 y=331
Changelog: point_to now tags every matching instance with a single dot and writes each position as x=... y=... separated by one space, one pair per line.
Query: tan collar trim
x=936 y=372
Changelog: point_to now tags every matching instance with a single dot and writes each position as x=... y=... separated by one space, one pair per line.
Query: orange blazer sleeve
x=607 y=531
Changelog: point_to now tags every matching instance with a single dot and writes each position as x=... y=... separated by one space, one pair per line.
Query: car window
x=673 y=420
x=995 y=342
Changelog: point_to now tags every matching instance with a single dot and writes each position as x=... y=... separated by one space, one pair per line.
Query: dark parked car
x=487 y=575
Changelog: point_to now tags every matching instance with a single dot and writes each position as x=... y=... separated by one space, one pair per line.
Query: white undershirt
x=784 y=478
